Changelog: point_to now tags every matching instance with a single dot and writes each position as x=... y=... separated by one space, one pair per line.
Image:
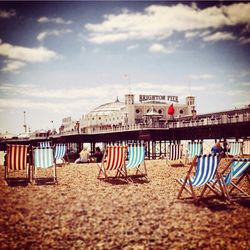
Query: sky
x=61 y=59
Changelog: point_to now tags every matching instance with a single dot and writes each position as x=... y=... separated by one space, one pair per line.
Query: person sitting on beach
x=217 y=149
x=98 y=155
x=84 y=156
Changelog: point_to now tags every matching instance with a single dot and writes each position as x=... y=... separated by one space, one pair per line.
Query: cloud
x=33 y=55
x=41 y=36
x=218 y=36
x=159 y=48
x=57 y=20
x=132 y=47
x=7 y=13
x=200 y=77
x=177 y=18
x=13 y=66
x=243 y=40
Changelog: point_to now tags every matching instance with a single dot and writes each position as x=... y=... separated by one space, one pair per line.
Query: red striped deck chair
x=17 y=162
x=44 y=160
x=113 y=161
x=175 y=152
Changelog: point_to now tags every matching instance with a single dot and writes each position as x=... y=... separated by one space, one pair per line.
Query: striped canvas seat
x=60 y=152
x=246 y=148
x=232 y=175
x=174 y=153
x=17 y=160
x=136 y=158
x=205 y=171
x=44 y=144
x=43 y=158
x=115 y=160
x=194 y=148
x=235 y=148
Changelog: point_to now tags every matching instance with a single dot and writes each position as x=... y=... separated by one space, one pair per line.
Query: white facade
x=151 y=110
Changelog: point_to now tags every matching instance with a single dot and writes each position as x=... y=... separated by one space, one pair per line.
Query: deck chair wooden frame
x=43 y=158
x=174 y=152
x=193 y=149
x=136 y=160
x=205 y=171
x=113 y=161
x=235 y=171
x=17 y=160
x=61 y=153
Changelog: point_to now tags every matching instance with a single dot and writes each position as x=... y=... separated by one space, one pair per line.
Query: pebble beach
x=82 y=212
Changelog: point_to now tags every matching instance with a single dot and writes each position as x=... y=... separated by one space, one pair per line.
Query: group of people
x=85 y=156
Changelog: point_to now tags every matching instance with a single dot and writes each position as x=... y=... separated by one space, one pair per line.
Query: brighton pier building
x=148 y=111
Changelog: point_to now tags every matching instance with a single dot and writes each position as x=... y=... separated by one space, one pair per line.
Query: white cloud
x=218 y=36
x=247 y=84
x=132 y=47
x=33 y=55
x=57 y=20
x=200 y=76
x=182 y=18
x=159 y=48
x=13 y=66
x=41 y=36
x=191 y=34
x=243 y=40
x=7 y=13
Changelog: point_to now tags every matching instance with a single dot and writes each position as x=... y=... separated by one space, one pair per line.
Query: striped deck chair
x=17 y=161
x=174 y=153
x=45 y=144
x=246 y=148
x=115 y=161
x=232 y=175
x=235 y=149
x=43 y=158
x=194 y=149
x=61 y=153
x=205 y=171
x=136 y=159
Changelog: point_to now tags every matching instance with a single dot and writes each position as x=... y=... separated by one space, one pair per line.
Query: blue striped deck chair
x=136 y=159
x=174 y=153
x=61 y=152
x=235 y=149
x=43 y=158
x=194 y=149
x=246 y=148
x=205 y=171
x=232 y=175
x=17 y=165
x=44 y=144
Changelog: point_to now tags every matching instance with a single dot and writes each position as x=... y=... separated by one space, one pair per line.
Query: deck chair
x=136 y=159
x=43 y=158
x=17 y=163
x=115 y=162
x=61 y=153
x=205 y=171
x=174 y=153
x=232 y=175
x=235 y=149
x=45 y=144
x=194 y=148
x=246 y=148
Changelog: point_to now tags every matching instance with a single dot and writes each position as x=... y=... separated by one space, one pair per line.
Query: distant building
x=149 y=110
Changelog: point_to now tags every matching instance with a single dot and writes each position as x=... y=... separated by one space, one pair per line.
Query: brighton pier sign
x=143 y=98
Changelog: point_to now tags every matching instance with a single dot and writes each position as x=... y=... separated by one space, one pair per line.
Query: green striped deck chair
x=205 y=171
x=17 y=163
x=136 y=160
x=193 y=149
x=113 y=161
x=43 y=158
x=235 y=149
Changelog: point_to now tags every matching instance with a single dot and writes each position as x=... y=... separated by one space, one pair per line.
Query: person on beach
x=84 y=157
x=217 y=149
x=98 y=155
